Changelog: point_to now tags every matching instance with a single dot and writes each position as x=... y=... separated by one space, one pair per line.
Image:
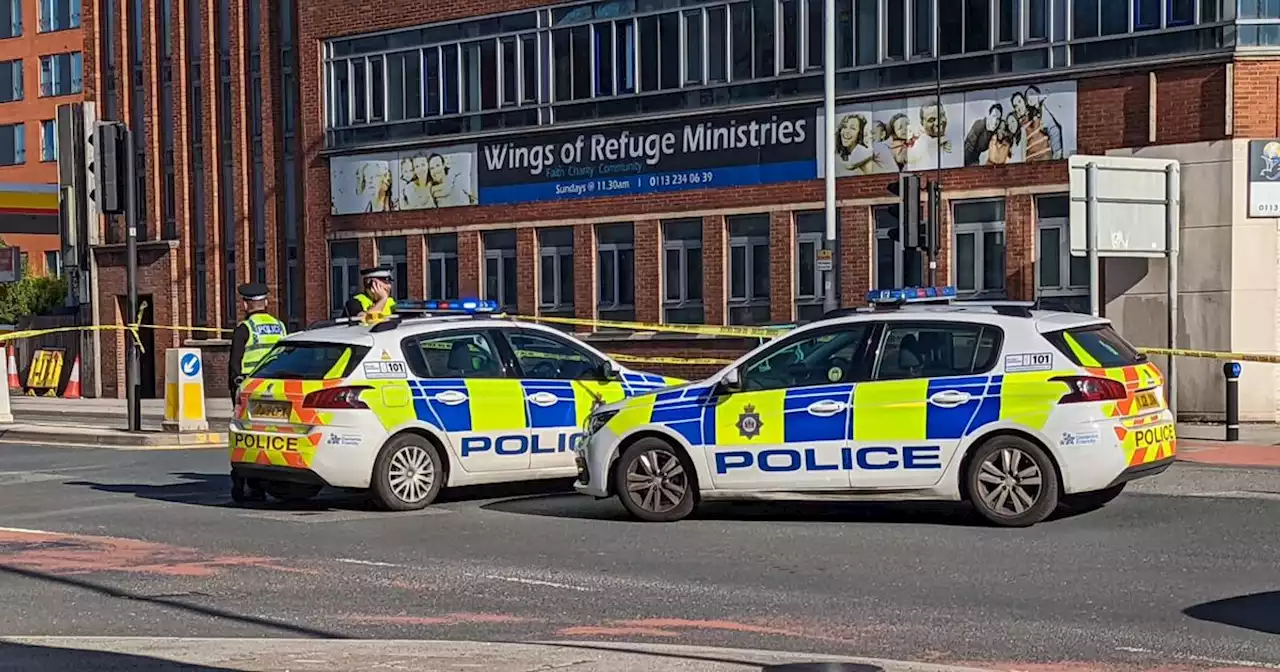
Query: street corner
x=1228 y=453
x=81 y=436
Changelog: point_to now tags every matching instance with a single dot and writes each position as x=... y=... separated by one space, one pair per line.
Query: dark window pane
x=604 y=56
x=1037 y=19
x=762 y=12
x=815 y=33
x=1050 y=259
x=693 y=274
x=669 y=58
x=1009 y=18
x=671 y=272
x=977 y=25
x=895 y=25
x=649 y=53
x=449 y=77
x=626 y=277
x=950 y=32
x=922 y=28
x=1115 y=18
x=566 y=279
x=562 y=57
x=529 y=69
x=1084 y=18
x=717 y=60
x=760 y=271
x=431 y=82
x=625 y=55
x=790 y=34
x=1182 y=12
x=1146 y=14
x=738 y=272
x=547 y=275
x=866 y=41
x=580 y=41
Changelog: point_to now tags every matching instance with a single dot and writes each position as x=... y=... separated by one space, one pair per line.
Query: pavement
x=103 y=546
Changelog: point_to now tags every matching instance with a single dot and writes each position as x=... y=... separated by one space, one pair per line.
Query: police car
x=440 y=394
x=917 y=398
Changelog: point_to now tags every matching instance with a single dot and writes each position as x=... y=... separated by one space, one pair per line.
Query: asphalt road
x=1184 y=569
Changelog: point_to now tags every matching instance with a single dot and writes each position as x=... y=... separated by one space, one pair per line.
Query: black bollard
x=1232 y=372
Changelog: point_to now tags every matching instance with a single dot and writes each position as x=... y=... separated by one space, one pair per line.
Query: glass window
x=1146 y=14
x=895 y=29
x=936 y=350
x=749 y=280
x=13 y=144
x=61 y=74
x=442 y=266
x=556 y=270
x=1038 y=19
x=1114 y=17
x=819 y=357
x=10 y=18
x=48 y=140
x=717 y=44
x=344 y=273
x=650 y=45
x=550 y=358
x=764 y=34
x=790 y=25
x=979 y=248
x=616 y=269
x=894 y=266
x=393 y=253
x=977 y=25
x=740 y=40
x=1084 y=18
x=1062 y=280
x=456 y=355
x=950 y=32
x=602 y=34
x=682 y=271
x=500 y=277
x=811 y=230
x=58 y=15
x=624 y=33
x=1008 y=15
x=1181 y=12
x=1096 y=346
x=922 y=28
x=10 y=81
x=693 y=47
x=866 y=40
x=669 y=58
x=815 y=33
x=53 y=262
x=294 y=360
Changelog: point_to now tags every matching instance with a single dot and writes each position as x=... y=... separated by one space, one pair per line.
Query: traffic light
x=907 y=189
x=107 y=174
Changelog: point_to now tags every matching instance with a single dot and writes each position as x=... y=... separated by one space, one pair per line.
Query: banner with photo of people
x=442 y=177
x=979 y=128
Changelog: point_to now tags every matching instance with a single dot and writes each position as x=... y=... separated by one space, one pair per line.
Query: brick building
x=40 y=68
x=470 y=145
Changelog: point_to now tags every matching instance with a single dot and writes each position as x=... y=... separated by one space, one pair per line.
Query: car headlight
x=596 y=421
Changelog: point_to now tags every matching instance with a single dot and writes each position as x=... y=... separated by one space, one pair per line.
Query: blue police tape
x=871 y=458
x=518 y=444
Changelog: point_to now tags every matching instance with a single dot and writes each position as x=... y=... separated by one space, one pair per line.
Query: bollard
x=6 y=412
x=184 y=409
x=1232 y=372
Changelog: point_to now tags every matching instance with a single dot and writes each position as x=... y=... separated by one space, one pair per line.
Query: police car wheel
x=655 y=482
x=1012 y=482
x=408 y=473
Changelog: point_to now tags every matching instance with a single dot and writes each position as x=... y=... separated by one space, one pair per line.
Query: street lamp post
x=830 y=302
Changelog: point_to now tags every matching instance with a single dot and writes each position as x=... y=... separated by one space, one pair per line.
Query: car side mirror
x=731 y=381
x=611 y=371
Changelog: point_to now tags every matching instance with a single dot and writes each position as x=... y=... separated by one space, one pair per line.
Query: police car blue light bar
x=462 y=306
x=910 y=295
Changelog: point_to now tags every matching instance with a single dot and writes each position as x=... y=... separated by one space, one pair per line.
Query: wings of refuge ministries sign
x=758 y=147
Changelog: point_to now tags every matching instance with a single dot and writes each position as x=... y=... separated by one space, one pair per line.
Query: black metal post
x=133 y=372
x=1232 y=372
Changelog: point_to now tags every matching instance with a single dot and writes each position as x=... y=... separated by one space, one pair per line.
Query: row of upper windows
x=636 y=56
x=60 y=75
x=978 y=244
x=54 y=15
x=13 y=143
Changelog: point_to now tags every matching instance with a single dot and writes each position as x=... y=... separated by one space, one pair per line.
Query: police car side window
x=457 y=355
x=550 y=358
x=936 y=350
x=821 y=358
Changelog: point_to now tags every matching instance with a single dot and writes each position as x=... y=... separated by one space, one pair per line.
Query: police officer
x=250 y=343
x=376 y=299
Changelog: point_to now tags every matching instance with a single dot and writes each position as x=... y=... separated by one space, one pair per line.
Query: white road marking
x=535 y=582
x=1202 y=659
x=26 y=531
x=367 y=563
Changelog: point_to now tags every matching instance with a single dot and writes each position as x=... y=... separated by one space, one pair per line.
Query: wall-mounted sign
x=421 y=179
x=728 y=150
x=1264 y=178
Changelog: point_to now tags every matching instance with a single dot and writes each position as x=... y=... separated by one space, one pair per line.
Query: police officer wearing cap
x=253 y=337
x=376 y=299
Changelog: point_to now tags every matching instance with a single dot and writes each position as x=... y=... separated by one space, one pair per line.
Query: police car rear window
x=311 y=361
x=1097 y=346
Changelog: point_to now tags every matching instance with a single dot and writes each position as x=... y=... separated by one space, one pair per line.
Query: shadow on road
x=1259 y=611
x=168 y=602
x=51 y=658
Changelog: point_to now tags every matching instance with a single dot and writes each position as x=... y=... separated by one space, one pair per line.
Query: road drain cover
x=822 y=667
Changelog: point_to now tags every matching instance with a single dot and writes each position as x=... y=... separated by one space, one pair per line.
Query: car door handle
x=949 y=398
x=826 y=408
x=543 y=399
x=451 y=397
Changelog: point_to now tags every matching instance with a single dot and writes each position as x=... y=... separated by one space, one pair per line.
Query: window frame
x=1065 y=288
x=350 y=266
x=441 y=283
x=979 y=230
x=749 y=243
x=501 y=255
x=412 y=350
x=861 y=360
x=557 y=302
x=46 y=12
x=882 y=338
x=818 y=240
x=682 y=246
x=17 y=78
x=599 y=360
x=48 y=140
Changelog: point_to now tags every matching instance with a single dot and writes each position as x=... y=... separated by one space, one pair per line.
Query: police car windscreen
x=1096 y=346
x=311 y=361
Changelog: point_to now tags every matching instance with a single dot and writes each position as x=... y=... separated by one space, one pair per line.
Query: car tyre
x=655 y=481
x=1091 y=501
x=408 y=474
x=1012 y=482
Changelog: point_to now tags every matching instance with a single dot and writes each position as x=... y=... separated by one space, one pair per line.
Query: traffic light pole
x=133 y=373
x=830 y=302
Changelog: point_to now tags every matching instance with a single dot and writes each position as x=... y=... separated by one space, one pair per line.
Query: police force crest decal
x=749 y=423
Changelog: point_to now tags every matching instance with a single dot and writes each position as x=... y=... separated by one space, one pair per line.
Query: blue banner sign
x=728 y=150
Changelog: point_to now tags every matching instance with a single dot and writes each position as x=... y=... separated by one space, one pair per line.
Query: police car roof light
x=906 y=295
x=457 y=306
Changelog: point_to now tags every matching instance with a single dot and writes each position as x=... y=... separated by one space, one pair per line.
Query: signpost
x=1128 y=207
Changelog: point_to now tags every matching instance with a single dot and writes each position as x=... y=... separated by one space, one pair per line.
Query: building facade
x=41 y=67
x=647 y=160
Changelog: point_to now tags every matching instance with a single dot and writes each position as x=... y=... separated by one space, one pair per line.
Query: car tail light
x=336 y=397
x=1085 y=389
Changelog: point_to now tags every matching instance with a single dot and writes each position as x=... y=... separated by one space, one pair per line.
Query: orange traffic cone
x=15 y=383
x=73 y=383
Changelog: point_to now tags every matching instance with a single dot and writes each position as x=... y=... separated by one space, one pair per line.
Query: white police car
x=407 y=405
x=1009 y=408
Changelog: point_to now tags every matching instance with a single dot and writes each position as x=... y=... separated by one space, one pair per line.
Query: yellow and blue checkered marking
x=800 y=426
x=983 y=407
x=563 y=413
x=635 y=384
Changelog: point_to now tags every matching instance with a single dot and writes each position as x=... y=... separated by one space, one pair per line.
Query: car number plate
x=271 y=410
x=1147 y=401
